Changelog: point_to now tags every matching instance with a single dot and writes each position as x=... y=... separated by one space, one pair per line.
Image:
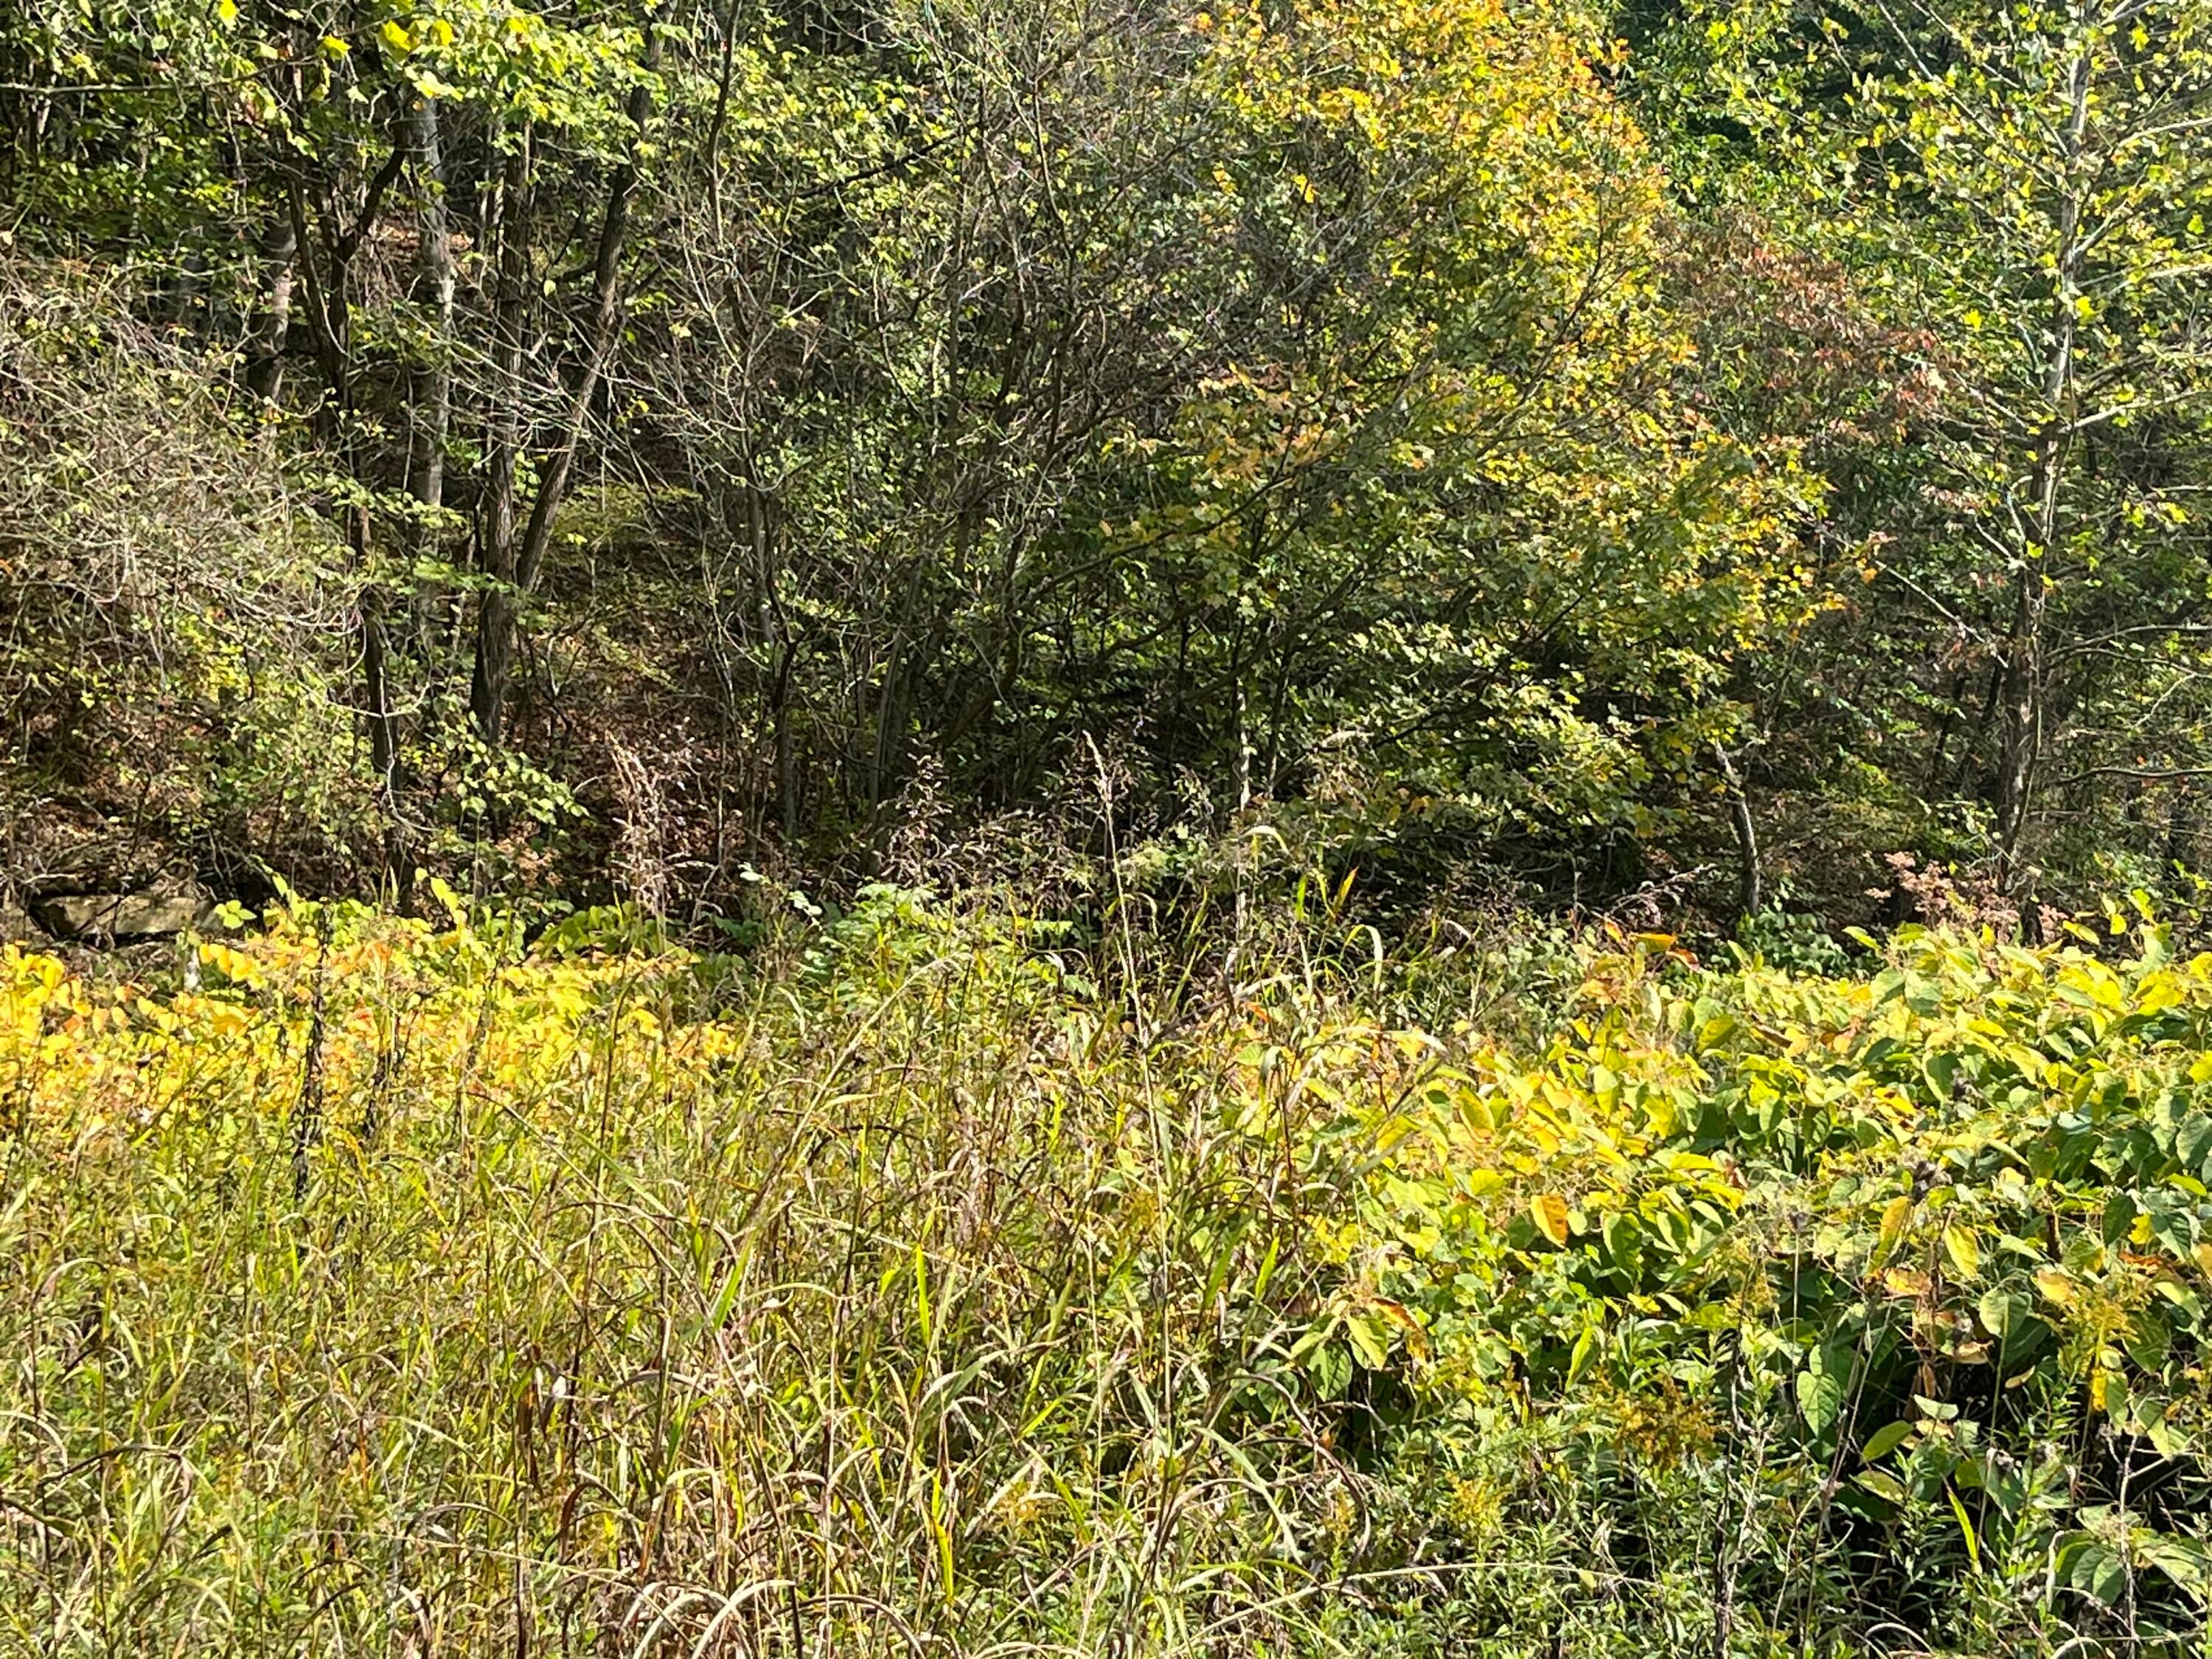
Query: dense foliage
x=400 y=1289
x=1515 y=447
x=997 y=827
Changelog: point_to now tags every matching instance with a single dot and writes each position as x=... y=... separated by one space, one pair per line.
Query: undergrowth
x=380 y=1289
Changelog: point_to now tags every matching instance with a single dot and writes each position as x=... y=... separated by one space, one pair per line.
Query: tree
x=2019 y=195
x=1441 y=512
x=2069 y=146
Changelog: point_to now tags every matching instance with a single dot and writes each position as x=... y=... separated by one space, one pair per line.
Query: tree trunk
x=496 y=632
x=265 y=351
x=496 y=615
x=375 y=673
x=431 y=415
x=2023 y=693
x=326 y=288
x=1750 y=883
x=2021 y=703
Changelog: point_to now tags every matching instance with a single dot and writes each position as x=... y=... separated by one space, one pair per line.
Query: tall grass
x=414 y=1296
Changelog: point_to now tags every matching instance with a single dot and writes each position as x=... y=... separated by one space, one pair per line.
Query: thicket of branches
x=610 y=445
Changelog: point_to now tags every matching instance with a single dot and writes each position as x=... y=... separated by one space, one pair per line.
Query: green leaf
x=2193 y=1139
x=1884 y=1441
x=1819 y=1397
x=2182 y=1559
x=1329 y=1365
x=2088 y=1565
x=2120 y=1213
x=1585 y=1345
x=2001 y=1311
x=1965 y=1529
x=2147 y=1338
x=1370 y=1342
x=1624 y=1243
x=2168 y=1439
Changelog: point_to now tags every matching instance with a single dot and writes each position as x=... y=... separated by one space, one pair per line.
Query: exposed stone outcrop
x=152 y=913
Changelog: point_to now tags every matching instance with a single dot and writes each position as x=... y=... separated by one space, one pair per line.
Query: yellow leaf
x=1550 y=1211
x=2056 y=1284
x=1965 y=1254
x=1894 y=1219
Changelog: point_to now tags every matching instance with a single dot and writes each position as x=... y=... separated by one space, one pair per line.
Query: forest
x=1085 y=828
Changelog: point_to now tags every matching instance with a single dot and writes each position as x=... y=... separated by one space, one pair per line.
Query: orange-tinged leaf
x=1550 y=1212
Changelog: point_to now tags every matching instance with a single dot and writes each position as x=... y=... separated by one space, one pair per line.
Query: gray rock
x=151 y=913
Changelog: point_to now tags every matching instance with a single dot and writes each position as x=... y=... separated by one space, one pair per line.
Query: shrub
x=175 y=633
x=1798 y=1298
